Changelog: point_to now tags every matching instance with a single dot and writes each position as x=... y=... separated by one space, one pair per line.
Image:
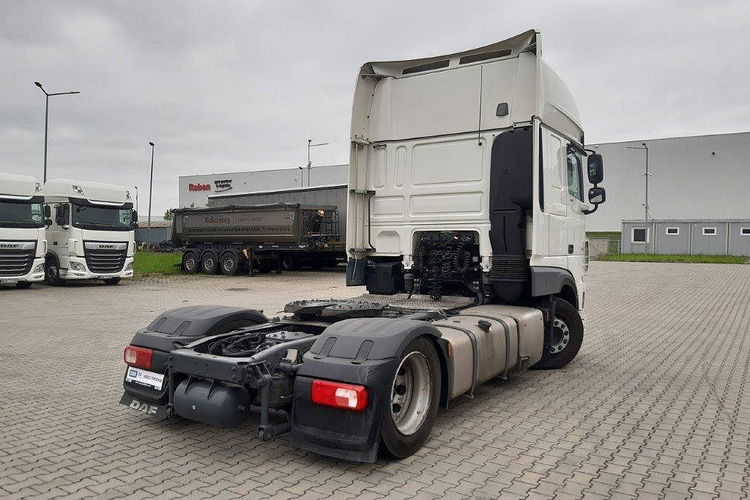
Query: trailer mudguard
x=363 y=351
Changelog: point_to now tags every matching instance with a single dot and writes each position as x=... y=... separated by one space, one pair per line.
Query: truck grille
x=16 y=257
x=105 y=257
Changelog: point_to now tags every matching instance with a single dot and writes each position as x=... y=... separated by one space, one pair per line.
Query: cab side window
x=555 y=190
x=574 y=174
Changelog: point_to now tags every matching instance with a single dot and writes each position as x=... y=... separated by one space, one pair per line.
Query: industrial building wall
x=194 y=190
x=703 y=177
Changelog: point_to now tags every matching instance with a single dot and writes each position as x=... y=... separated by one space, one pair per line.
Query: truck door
x=555 y=198
x=57 y=236
x=575 y=226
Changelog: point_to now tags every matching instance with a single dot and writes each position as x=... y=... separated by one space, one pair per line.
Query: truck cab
x=22 y=237
x=466 y=177
x=90 y=231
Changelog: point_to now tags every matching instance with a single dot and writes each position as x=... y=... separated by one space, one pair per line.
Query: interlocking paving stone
x=656 y=405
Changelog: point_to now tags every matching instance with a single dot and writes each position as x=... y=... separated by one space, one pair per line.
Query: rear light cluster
x=139 y=357
x=339 y=395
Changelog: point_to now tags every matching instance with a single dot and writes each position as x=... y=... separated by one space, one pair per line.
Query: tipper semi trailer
x=240 y=238
x=465 y=224
x=22 y=239
x=90 y=231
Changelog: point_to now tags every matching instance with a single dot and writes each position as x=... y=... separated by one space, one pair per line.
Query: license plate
x=106 y=276
x=8 y=282
x=145 y=377
x=157 y=411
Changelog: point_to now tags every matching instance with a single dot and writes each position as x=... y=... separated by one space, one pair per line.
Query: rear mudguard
x=178 y=327
x=363 y=351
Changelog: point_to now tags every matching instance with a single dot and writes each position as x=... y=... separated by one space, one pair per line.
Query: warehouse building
x=194 y=190
x=701 y=177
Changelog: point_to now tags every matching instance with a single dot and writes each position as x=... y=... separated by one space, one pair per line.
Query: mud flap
x=157 y=411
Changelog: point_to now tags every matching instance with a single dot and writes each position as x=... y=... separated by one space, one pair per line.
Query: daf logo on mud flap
x=143 y=407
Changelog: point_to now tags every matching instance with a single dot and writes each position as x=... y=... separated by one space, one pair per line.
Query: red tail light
x=339 y=395
x=139 y=357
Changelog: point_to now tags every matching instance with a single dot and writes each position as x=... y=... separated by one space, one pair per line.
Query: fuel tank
x=490 y=340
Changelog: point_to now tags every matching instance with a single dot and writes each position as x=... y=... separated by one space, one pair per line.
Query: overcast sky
x=241 y=85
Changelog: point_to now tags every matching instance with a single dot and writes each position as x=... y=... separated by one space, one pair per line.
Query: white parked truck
x=90 y=231
x=22 y=243
x=465 y=221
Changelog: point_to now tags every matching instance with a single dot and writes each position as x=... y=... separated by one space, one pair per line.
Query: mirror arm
x=587 y=212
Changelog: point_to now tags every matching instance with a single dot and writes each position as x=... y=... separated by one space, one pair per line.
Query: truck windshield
x=102 y=218
x=21 y=213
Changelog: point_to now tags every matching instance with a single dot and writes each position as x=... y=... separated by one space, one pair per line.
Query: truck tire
x=209 y=262
x=567 y=337
x=23 y=284
x=112 y=281
x=413 y=401
x=189 y=263
x=230 y=264
x=52 y=272
x=288 y=262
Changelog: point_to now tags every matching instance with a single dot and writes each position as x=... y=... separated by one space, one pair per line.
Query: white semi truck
x=22 y=243
x=90 y=231
x=465 y=221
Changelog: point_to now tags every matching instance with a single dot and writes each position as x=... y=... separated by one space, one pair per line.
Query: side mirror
x=135 y=218
x=47 y=221
x=47 y=213
x=597 y=195
x=595 y=168
x=62 y=216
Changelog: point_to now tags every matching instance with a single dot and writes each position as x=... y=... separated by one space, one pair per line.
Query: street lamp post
x=643 y=147
x=136 y=198
x=47 y=95
x=309 y=163
x=150 y=188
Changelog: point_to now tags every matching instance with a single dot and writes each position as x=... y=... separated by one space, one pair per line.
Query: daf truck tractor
x=22 y=243
x=90 y=231
x=465 y=223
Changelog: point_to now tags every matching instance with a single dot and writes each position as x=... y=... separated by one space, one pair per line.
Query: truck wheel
x=567 y=337
x=288 y=263
x=112 y=281
x=23 y=284
x=229 y=264
x=413 y=400
x=209 y=263
x=52 y=273
x=189 y=262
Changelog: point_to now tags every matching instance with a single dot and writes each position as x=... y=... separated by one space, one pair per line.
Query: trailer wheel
x=209 y=263
x=288 y=262
x=567 y=337
x=230 y=264
x=189 y=263
x=413 y=401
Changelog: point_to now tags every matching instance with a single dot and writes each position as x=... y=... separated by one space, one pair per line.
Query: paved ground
x=657 y=404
